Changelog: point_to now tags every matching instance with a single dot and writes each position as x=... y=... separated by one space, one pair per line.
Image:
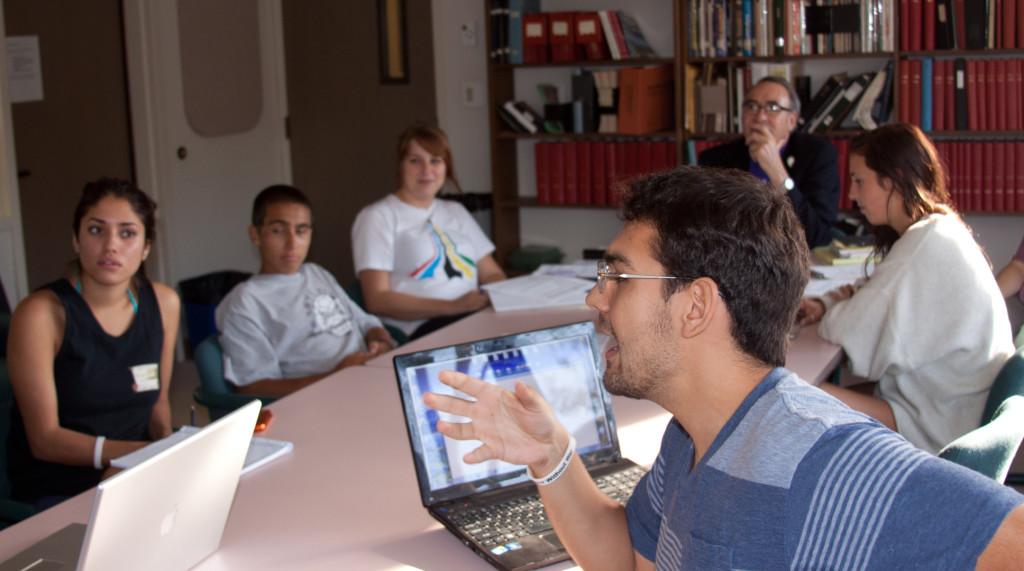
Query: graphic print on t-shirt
x=446 y=258
x=329 y=315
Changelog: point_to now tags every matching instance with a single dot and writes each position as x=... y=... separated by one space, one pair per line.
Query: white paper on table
x=537 y=291
x=848 y=273
x=583 y=269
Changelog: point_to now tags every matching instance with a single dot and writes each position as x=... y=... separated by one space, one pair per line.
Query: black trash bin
x=200 y=296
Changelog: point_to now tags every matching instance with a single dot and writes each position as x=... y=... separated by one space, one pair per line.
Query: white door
x=207 y=89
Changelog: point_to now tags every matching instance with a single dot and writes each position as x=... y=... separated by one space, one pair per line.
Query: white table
x=346 y=497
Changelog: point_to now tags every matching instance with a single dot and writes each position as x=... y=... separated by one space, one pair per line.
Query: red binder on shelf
x=556 y=174
x=622 y=172
x=1019 y=151
x=632 y=159
x=584 y=184
x=571 y=170
x=590 y=36
x=611 y=166
x=987 y=178
x=562 y=36
x=949 y=91
x=916 y=19
x=975 y=164
x=928 y=6
x=644 y=157
x=915 y=92
x=541 y=157
x=905 y=25
x=599 y=173
x=1010 y=24
x=973 y=117
x=998 y=176
x=1013 y=95
x=1001 y=86
x=904 y=67
x=1010 y=183
x=535 y=38
x=992 y=95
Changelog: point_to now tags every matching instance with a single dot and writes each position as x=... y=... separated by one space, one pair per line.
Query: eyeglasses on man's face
x=605 y=273
x=771 y=107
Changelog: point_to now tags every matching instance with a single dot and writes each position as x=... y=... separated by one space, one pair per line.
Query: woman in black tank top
x=90 y=355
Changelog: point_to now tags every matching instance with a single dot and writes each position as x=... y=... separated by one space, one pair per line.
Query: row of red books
x=961 y=24
x=587 y=172
x=985 y=176
x=580 y=36
x=982 y=176
x=959 y=94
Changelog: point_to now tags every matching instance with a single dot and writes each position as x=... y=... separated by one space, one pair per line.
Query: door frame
x=10 y=201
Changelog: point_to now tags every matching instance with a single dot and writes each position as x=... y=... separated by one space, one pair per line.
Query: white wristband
x=560 y=469
x=97 y=453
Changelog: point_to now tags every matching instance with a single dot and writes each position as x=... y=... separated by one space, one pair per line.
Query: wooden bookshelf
x=506 y=145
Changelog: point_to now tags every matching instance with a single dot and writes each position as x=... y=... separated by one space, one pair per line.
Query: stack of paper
x=827 y=278
x=537 y=291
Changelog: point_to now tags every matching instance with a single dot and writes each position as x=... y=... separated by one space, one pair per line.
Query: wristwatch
x=788 y=184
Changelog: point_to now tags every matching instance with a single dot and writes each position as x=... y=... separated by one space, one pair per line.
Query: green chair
x=11 y=511
x=355 y=292
x=214 y=392
x=991 y=448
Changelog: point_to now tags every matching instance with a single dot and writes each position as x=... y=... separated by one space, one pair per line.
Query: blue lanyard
x=131 y=296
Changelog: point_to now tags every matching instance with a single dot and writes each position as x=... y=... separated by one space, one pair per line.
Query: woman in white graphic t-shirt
x=421 y=259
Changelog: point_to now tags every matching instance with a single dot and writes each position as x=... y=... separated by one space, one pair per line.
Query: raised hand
x=517 y=427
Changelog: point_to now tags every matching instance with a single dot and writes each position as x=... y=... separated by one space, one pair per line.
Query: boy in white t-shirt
x=291 y=324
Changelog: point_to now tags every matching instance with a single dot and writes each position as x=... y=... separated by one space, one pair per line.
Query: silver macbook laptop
x=493 y=507
x=167 y=513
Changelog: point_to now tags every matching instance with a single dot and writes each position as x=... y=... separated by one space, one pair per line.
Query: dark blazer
x=812 y=164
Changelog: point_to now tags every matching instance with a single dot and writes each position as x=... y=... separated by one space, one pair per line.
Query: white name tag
x=147 y=377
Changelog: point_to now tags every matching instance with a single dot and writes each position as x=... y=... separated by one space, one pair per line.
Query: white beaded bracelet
x=97 y=453
x=560 y=469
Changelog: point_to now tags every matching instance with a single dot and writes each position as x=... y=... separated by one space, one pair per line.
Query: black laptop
x=493 y=507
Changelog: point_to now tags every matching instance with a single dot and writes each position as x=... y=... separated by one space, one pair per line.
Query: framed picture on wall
x=394 y=60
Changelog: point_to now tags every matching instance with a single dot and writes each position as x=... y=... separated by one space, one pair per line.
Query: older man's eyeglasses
x=605 y=273
x=771 y=107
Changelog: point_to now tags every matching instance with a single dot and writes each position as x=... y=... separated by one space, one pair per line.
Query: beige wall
x=344 y=123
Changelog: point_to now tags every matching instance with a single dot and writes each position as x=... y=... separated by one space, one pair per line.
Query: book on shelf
x=607 y=85
x=832 y=86
x=590 y=36
x=584 y=92
x=498 y=15
x=516 y=10
x=613 y=34
x=588 y=172
x=645 y=99
x=521 y=117
x=535 y=38
x=562 y=37
x=719 y=28
x=837 y=110
x=633 y=36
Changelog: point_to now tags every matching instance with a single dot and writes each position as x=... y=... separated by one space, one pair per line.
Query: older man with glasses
x=798 y=164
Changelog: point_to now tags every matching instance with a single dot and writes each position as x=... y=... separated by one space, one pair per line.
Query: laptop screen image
x=167 y=513
x=561 y=363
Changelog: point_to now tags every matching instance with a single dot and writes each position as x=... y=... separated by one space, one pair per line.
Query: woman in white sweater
x=929 y=326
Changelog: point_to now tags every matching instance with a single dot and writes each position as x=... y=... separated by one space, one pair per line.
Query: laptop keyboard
x=506 y=522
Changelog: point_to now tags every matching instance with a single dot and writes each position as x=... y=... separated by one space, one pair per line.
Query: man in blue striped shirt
x=757 y=469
